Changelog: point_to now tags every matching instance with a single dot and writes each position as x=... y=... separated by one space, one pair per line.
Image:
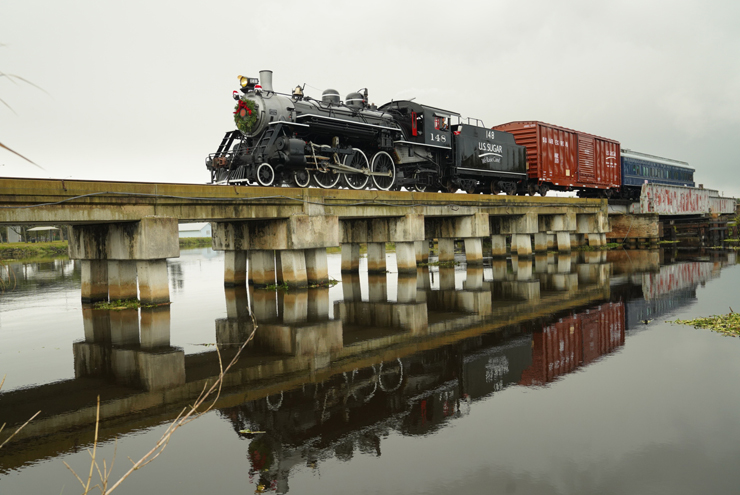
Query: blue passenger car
x=638 y=168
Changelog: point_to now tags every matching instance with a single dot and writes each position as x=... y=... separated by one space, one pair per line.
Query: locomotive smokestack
x=266 y=80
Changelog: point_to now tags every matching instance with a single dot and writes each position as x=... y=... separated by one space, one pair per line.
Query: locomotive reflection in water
x=414 y=395
x=323 y=386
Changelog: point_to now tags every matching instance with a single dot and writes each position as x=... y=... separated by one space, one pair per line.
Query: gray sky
x=141 y=90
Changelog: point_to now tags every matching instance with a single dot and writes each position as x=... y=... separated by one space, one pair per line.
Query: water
x=559 y=375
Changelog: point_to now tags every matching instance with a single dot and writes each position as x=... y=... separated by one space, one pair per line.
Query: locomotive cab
x=422 y=124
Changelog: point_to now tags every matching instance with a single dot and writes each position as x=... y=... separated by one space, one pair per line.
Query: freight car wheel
x=532 y=189
x=543 y=190
x=265 y=175
x=494 y=187
x=302 y=178
x=383 y=164
x=358 y=161
x=326 y=180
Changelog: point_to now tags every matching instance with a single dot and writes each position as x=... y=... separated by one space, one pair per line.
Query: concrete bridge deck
x=124 y=231
x=50 y=201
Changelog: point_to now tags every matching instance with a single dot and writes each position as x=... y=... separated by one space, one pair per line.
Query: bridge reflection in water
x=325 y=378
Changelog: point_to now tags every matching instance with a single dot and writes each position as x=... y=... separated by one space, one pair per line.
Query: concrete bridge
x=124 y=231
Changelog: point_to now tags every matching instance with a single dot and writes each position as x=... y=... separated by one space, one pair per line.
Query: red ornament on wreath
x=245 y=116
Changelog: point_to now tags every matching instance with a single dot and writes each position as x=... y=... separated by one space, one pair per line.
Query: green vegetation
x=26 y=250
x=282 y=286
x=195 y=242
x=329 y=283
x=125 y=304
x=728 y=325
x=605 y=247
x=442 y=264
x=285 y=287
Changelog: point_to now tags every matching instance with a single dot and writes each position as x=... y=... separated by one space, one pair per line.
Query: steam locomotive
x=296 y=140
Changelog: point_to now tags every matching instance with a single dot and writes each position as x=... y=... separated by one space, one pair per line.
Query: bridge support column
x=446 y=278
x=527 y=290
x=154 y=288
x=564 y=263
x=236 y=327
x=351 y=288
x=122 y=280
x=499 y=268
x=576 y=239
x=423 y=283
x=540 y=263
x=550 y=241
x=523 y=243
x=377 y=287
x=291 y=268
x=264 y=304
x=262 y=267
x=318 y=304
x=350 y=257
x=474 y=278
x=147 y=242
x=524 y=269
x=124 y=327
x=594 y=240
x=563 y=242
x=96 y=324
x=155 y=327
x=498 y=246
x=422 y=251
x=317 y=266
x=299 y=240
x=406 y=292
x=94 y=280
x=293 y=306
x=473 y=251
x=376 y=257
x=540 y=242
x=406 y=257
x=446 y=250
x=235 y=268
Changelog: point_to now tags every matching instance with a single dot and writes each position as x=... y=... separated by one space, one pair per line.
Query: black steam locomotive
x=292 y=139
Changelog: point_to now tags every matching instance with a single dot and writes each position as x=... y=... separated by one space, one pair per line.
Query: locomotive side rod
x=347 y=169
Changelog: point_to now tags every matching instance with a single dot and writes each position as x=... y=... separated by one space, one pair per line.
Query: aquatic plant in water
x=728 y=324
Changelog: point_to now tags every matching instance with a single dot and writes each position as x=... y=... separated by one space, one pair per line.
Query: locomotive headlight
x=244 y=81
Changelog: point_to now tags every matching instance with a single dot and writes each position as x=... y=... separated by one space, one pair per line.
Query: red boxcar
x=564 y=159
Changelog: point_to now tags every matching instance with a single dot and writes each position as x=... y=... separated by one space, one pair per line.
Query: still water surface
x=551 y=376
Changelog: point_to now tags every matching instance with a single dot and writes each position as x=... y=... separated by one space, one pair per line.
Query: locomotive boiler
x=297 y=140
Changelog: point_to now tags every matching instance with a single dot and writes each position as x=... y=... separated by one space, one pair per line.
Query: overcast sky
x=141 y=90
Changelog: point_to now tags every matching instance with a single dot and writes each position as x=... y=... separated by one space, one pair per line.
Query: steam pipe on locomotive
x=298 y=140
